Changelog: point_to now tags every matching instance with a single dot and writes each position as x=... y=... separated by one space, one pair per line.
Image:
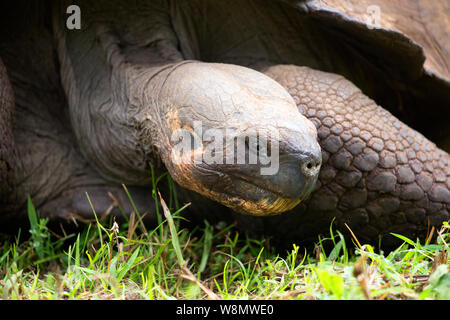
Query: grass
x=130 y=261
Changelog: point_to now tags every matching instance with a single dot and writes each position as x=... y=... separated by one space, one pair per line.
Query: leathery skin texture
x=6 y=141
x=378 y=175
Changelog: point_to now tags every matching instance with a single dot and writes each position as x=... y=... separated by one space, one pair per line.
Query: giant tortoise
x=91 y=95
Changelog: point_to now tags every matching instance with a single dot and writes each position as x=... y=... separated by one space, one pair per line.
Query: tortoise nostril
x=311 y=167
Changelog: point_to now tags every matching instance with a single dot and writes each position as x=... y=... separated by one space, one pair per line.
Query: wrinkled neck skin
x=113 y=108
x=127 y=103
x=145 y=91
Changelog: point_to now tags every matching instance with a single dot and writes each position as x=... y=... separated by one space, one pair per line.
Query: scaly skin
x=378 y=175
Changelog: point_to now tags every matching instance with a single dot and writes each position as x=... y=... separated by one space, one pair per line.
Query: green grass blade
x=129 y=264
x=173 y=231
x=32 y=215
x=407 y=240
x=207 y=244
x=99 y=226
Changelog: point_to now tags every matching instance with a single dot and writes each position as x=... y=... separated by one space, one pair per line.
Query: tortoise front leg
x=83 y=203
x=378 y=175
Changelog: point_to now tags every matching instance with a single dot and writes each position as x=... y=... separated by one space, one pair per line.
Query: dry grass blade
x=317 y=251
x=113 y=205
x=353 y=235
x=291 y=294
x=187 y=274
x=359 y=271
x=417 y=277
x=441 y=258
x=430 y=235
x=442 y=238
x=132 y=226
x=115 y=230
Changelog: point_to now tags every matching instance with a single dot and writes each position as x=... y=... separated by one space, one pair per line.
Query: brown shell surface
x=425 y=22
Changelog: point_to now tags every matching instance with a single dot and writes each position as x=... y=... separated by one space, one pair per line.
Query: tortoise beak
x=276 y=193
x=294 y=179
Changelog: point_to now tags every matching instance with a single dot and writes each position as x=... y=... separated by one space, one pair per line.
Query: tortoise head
x=235 y=135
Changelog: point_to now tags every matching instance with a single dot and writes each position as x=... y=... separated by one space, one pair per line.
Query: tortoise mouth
x=255 y=188
x=245 y=190
x=250 y=198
